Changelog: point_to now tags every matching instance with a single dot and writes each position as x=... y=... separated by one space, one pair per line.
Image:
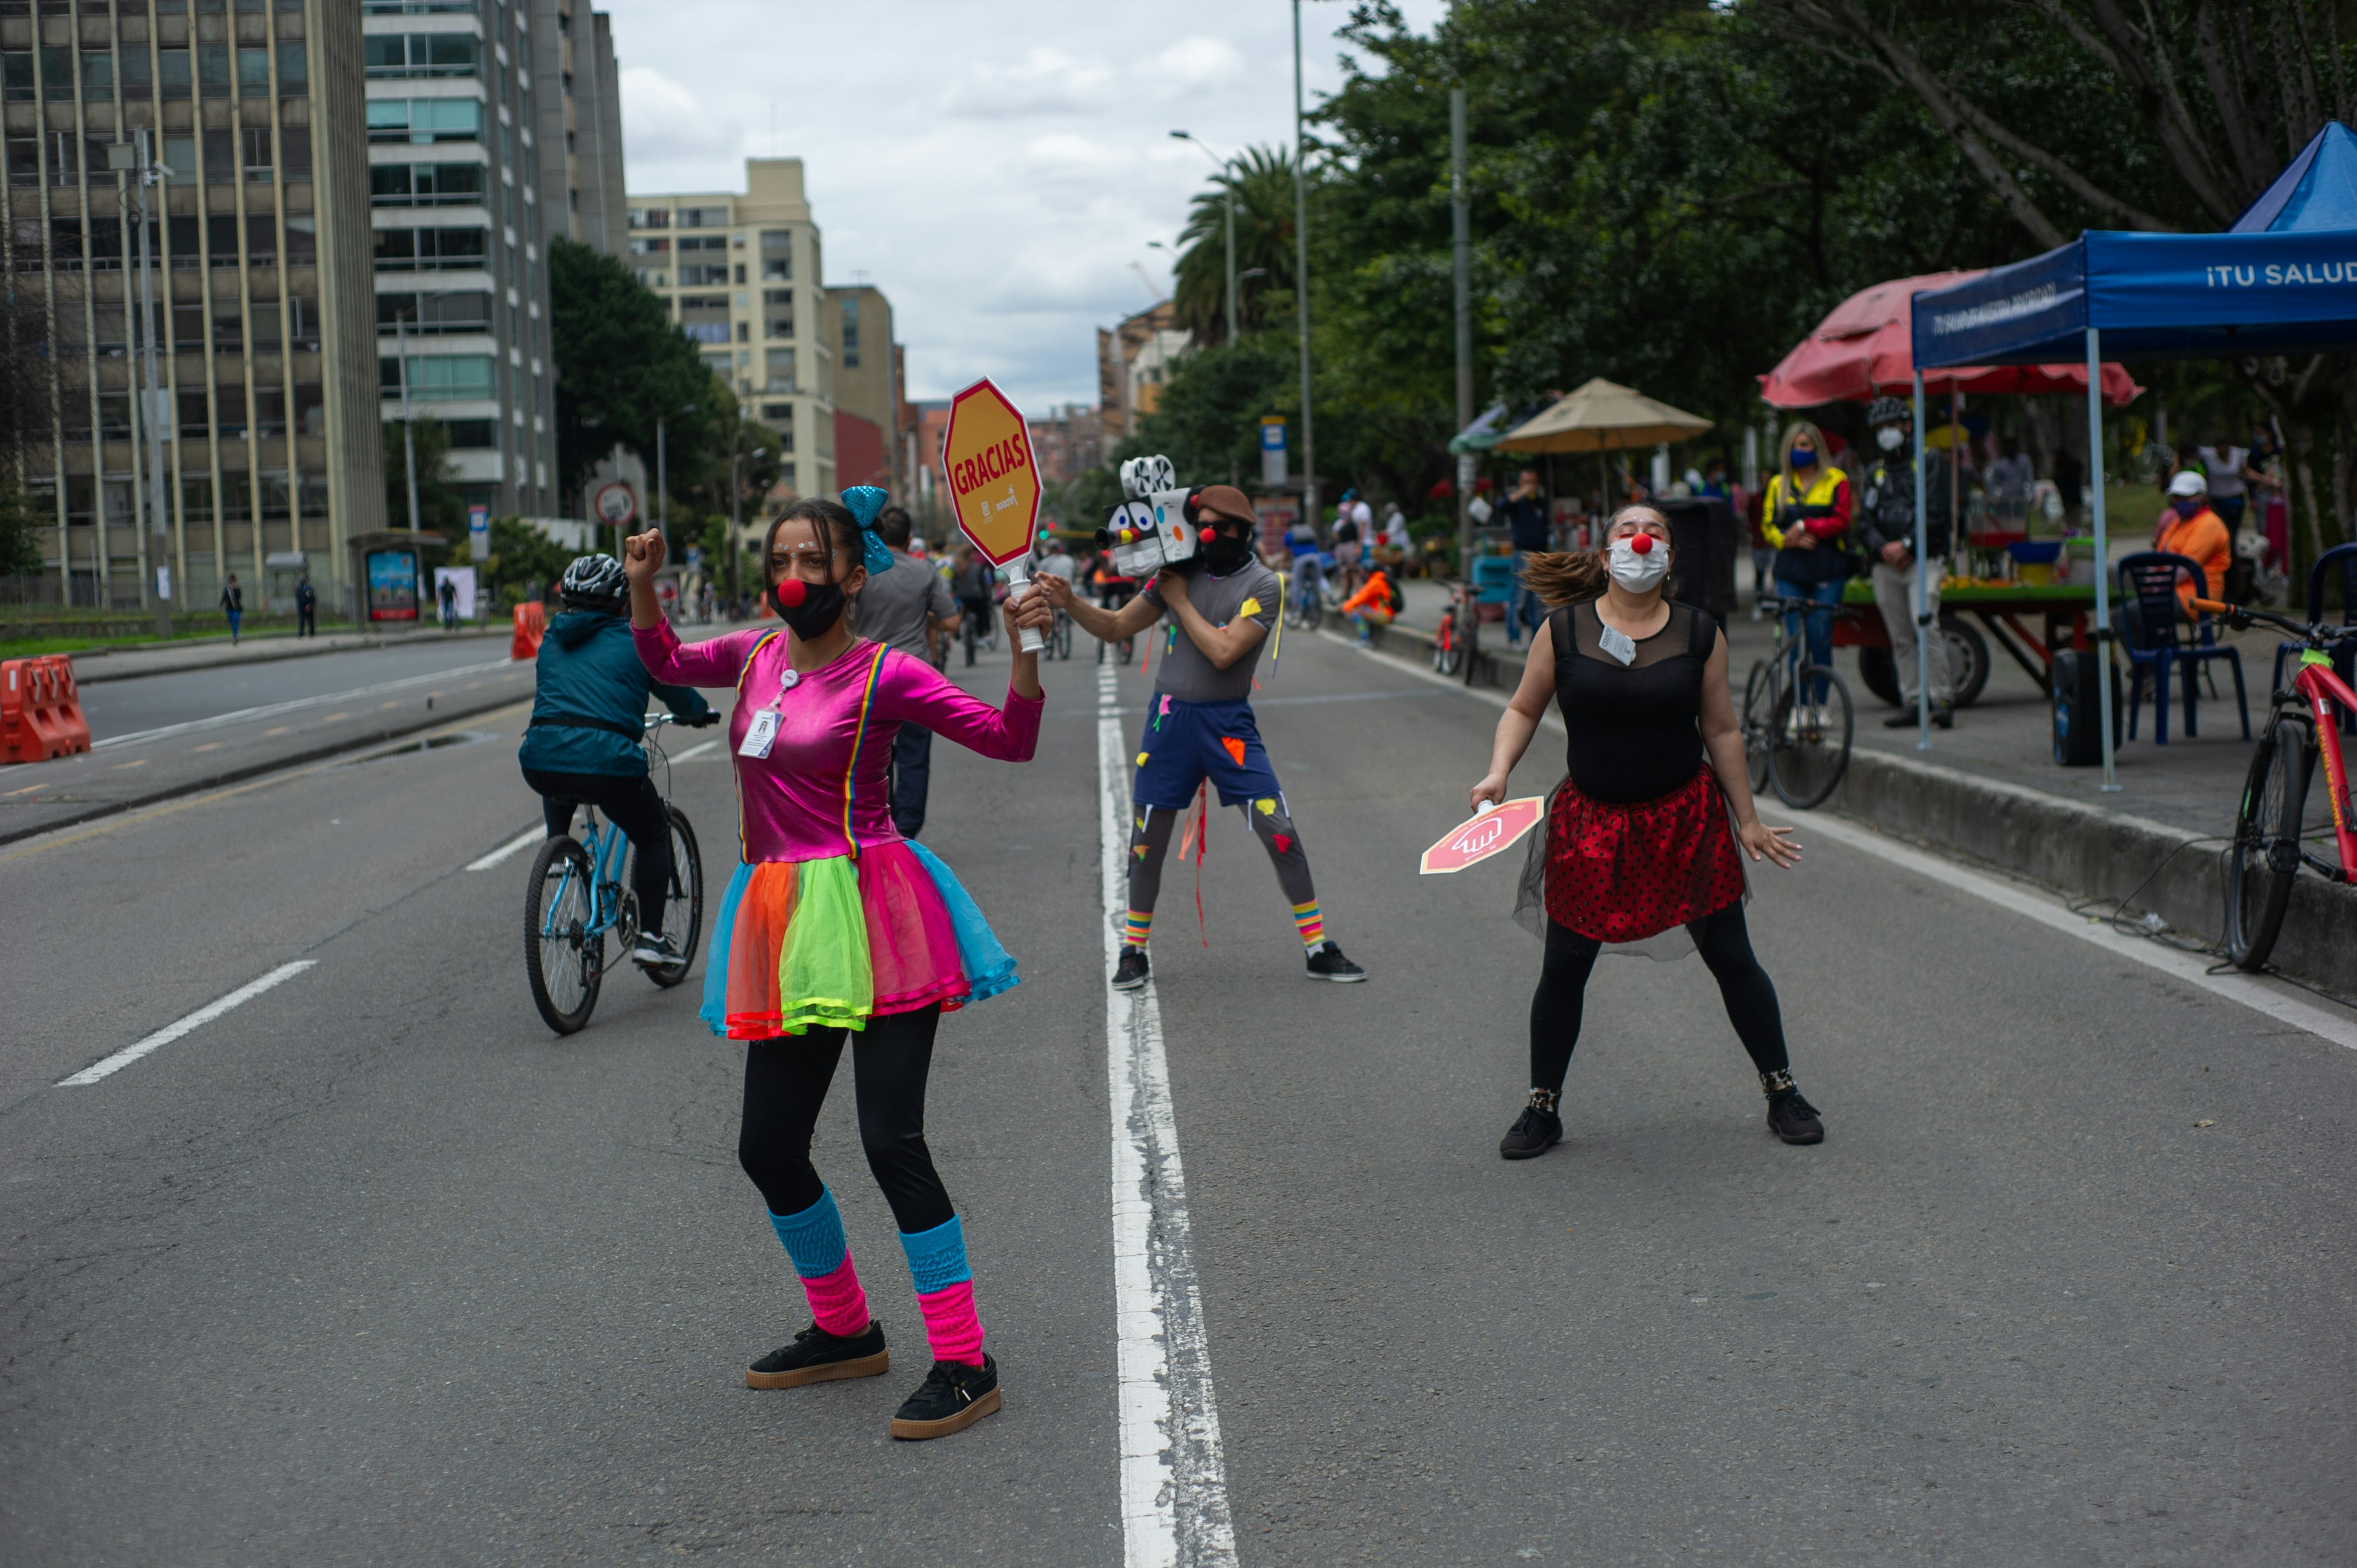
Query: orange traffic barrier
x=530 y=624
x=41 y=710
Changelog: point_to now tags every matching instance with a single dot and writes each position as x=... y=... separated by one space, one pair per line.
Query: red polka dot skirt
x=1624 y=872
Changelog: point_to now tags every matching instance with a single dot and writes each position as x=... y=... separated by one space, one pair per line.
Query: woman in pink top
x=834 y=928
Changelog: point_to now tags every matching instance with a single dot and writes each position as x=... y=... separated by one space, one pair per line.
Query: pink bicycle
x=2269 y=850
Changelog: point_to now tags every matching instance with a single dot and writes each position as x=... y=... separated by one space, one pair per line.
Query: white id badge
x=762 y=735
x=1617 y=643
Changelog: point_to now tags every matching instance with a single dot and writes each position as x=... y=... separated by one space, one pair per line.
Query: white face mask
x=1888 y=437
x=1637 y=571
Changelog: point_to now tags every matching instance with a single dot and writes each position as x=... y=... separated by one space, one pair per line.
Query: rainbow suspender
x=744 y=670
x=858 y=740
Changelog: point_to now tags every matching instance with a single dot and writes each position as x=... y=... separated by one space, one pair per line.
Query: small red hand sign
x=1494 y=831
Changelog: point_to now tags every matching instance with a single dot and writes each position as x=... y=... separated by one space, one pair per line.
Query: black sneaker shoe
x=1943 y=715
x=1131 y=971
x=655 y=953
x=952 y=1397
x=818 y=1357
x=1793 y=1119
x=1905 y=718
x=1535 y=1131
x=1328 y=963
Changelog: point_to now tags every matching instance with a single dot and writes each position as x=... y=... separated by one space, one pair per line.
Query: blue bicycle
x=580 y=914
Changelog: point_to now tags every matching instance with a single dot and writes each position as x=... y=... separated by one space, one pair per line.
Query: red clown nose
x=792 y=592
x=1642 y=544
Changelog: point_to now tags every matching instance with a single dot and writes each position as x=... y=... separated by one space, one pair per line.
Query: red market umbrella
x=1865 y=350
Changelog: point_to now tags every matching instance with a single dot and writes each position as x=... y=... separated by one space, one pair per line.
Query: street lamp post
x=159 y=527
x=663 y=470
x=1461 y=245
x=408 y=423
x=1301 y=289
x=736 y=510
x=1228 y=185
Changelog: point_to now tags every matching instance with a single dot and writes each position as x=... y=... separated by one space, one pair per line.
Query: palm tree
x=1261 y=178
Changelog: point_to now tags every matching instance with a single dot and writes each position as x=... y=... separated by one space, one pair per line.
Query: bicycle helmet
x=596 y=582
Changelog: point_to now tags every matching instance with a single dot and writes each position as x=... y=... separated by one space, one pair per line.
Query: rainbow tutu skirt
x=832 y=943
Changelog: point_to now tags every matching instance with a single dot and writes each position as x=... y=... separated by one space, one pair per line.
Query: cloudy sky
x=997 y=169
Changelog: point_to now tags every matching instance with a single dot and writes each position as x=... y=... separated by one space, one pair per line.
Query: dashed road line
x=108 y=1066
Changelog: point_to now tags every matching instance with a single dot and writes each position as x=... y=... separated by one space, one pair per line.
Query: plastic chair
x=2340 y=560
x=2158 y=640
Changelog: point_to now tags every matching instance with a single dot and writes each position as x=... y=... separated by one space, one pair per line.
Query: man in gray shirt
x=1200 y=726
x=897 y=608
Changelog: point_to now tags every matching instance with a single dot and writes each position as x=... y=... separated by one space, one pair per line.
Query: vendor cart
x=2006 y=611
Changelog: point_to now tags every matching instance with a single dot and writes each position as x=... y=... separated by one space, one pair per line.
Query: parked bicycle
x=2270 y=843
x=1797 y=724
x=1460 y=633
x=580 y=915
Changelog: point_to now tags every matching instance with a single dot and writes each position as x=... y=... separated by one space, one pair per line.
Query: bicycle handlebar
x=2242 y=617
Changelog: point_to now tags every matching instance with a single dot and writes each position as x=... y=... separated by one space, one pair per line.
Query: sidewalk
x=1989 y=789
x=127 y=663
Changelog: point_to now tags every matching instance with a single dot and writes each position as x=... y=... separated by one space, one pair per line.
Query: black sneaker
x=952 y=1397
x=1131 y=971
x=818 y=1357
x=1535 y=1131
x=1793 y=1119
x=1905 y=718
x=1328 y=963
x=1943 y=715
x=655 y=953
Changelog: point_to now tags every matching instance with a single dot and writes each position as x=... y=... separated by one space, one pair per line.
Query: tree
x=622 y=364
x=440 y=508
x=1262 y=181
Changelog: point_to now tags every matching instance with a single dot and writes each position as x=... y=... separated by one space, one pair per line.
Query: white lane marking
x=195 y=1020
x=2190 y=967
x=693 y=752
x=271 y=710
x=514 y=846
x=2193 y=969
x=1173 y=1486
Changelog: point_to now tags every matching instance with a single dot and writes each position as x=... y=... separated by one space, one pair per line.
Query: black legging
x=634 y=805
x=786 y=1080
x=1725 y=945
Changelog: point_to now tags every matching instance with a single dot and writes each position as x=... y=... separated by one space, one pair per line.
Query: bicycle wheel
x=1810 y=746
x=1448 y=650
x=1064 y=636
x=2264 y=856
x=1759 y=695
x=563 y=957
x=1127 y=648
x=682 y=911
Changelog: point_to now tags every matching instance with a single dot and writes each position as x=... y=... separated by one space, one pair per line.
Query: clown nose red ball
x=1642 y=544
x=791 y=593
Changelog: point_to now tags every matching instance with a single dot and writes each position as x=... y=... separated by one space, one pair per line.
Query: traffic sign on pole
x=994 y=478
x=1492 y=831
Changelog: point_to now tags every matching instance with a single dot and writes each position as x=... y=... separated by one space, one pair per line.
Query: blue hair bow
x=865 y=502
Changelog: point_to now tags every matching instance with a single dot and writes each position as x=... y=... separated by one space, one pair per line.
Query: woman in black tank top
x=1647 y=829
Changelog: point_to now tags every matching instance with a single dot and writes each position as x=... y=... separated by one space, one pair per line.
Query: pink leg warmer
x=840 y=1305
x=951 y=1326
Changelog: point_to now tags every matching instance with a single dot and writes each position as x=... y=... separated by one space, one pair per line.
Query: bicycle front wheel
x=1809 y=750
x=1759 y=721
x=563 y=956
x=2264 y=856
x=682 y=910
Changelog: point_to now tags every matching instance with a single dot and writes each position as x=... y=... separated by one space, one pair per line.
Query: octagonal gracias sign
x=993 y=476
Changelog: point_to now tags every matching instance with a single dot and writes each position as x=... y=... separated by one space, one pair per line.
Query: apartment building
x=743 y=277
x=577 y=96
x=461 y=276
x=1134 y=360
x=260 y=245
x=868 y=391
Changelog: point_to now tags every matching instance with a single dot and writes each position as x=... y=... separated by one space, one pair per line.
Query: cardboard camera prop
x=1151 y=528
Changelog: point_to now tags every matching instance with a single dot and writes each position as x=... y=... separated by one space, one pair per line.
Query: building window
x=425 y=185
x=97 y=76
x=710 y=274
x=706 y=331
x=649 y=217
x=254 y=73
x=65 y=150
x=138 y=80
x=441 y=377
x=256 y=148
x=295 y=152
x=17 y=75
x=781 y=328
x=703 y=218
x=24 y=160
x=780 y=369
x=58 y=70
x=212 y=70
x=293 y=70
x=430 y=250
x=474 y=433
x=424 y=119
x=394 y=55
x=175 y=72
x=782 y=415
x=650 y=247
x=431 y=314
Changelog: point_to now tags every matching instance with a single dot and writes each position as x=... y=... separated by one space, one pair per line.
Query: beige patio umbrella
x=1602 y=416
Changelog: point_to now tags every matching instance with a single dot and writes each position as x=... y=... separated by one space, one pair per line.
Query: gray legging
x=1149 y=831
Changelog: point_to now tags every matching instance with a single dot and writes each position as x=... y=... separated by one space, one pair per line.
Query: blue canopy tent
x=2282 y=280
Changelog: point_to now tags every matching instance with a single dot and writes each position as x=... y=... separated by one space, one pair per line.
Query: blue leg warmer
x=815 y=1237
x=937 y=1257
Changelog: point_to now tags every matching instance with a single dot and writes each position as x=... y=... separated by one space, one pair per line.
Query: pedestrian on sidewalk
x=836 y=932
x=1201 y=730
x=447 y=596
x=1639 y=842
x=906 y=607
x=1526 y=523
x=306 y=607
x=1887 y=530
x=233 y=606
x=1806 y=516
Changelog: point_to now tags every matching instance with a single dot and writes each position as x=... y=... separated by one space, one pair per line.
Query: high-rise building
x=743 y=277
x=1132 y=362
x=260 y=245
x=866 y=389
x=461 y=273
x=577 y=94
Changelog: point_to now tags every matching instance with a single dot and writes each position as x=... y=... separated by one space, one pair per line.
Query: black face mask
x=1222 y=552
x=820 y=607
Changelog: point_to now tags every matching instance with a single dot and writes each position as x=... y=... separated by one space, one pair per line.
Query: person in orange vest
x=2198 y=534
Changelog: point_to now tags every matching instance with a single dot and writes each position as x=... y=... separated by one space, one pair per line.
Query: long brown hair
x=1567 y=577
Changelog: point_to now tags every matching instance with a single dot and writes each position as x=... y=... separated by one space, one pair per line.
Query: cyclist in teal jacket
x=585 y=743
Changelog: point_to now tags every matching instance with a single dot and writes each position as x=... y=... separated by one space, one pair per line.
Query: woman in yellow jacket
x=1806 y=516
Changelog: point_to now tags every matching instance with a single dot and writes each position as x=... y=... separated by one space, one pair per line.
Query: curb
x=97 y=672
x=2084 y=850
x=395 y=731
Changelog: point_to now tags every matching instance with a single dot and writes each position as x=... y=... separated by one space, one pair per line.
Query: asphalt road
x=372 y=1269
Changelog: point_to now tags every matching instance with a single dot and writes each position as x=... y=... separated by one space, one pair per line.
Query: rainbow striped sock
x=1135 y=927
x=1311 y=924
